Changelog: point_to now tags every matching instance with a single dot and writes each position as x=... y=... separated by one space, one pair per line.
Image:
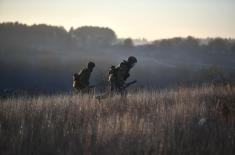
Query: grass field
x=145 y=122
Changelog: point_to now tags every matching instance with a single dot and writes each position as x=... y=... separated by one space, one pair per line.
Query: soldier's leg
x=123 y=92
x=75 y=91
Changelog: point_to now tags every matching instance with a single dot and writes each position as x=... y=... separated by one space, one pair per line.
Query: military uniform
x=81 y=81
x=119 y=74
x=113 y=78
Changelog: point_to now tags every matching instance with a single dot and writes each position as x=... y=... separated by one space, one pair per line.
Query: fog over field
x=44 y=58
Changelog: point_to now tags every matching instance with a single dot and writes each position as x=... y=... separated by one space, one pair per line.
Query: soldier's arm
x=84 y=77
x=81 y=76
x=121 y=73
x=82 y=73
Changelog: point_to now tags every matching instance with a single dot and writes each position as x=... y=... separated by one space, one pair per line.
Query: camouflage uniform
x=81 y=80
x=119 y=74
x=113 y=78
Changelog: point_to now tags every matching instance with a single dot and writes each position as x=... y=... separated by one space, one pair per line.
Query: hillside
x=197 y=120
x=44 y=58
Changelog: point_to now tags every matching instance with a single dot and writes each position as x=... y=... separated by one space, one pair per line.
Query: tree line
x=44 y=36
x=44 y=57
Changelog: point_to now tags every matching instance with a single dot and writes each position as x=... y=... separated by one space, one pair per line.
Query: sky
x=150 y=19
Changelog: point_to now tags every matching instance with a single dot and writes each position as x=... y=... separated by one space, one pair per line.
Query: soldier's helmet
x=91 y=65
x=132 y=60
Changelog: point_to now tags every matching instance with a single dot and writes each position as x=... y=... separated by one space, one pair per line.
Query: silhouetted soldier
x=81 y=80
x=119 y=74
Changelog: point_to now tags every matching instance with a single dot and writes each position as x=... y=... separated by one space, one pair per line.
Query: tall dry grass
x=145 y=122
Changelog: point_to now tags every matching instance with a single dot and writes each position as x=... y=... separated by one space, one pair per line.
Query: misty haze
x=44 y=58
x=126 y=77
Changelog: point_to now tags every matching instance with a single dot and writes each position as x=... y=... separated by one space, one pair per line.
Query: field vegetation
x=196 y=120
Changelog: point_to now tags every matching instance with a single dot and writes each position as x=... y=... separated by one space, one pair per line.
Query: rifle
x=126 y=85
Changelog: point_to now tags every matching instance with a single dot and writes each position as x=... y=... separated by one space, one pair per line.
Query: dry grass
x=145 y=122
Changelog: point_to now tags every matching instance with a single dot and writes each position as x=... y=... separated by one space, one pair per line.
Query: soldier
x=81 y=80
x=119 y=74
x=113 y=78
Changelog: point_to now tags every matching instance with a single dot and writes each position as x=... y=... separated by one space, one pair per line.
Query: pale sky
x=150 y=19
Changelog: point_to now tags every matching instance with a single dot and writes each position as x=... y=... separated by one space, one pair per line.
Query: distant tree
x=164 y=44
x=89 y=36
x=191 y=43
x=232 y=48
x=71 y=30
x=35 y=36
x=218 y=45
x=128 y=43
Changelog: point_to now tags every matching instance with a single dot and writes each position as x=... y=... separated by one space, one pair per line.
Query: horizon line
x=136 y=38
